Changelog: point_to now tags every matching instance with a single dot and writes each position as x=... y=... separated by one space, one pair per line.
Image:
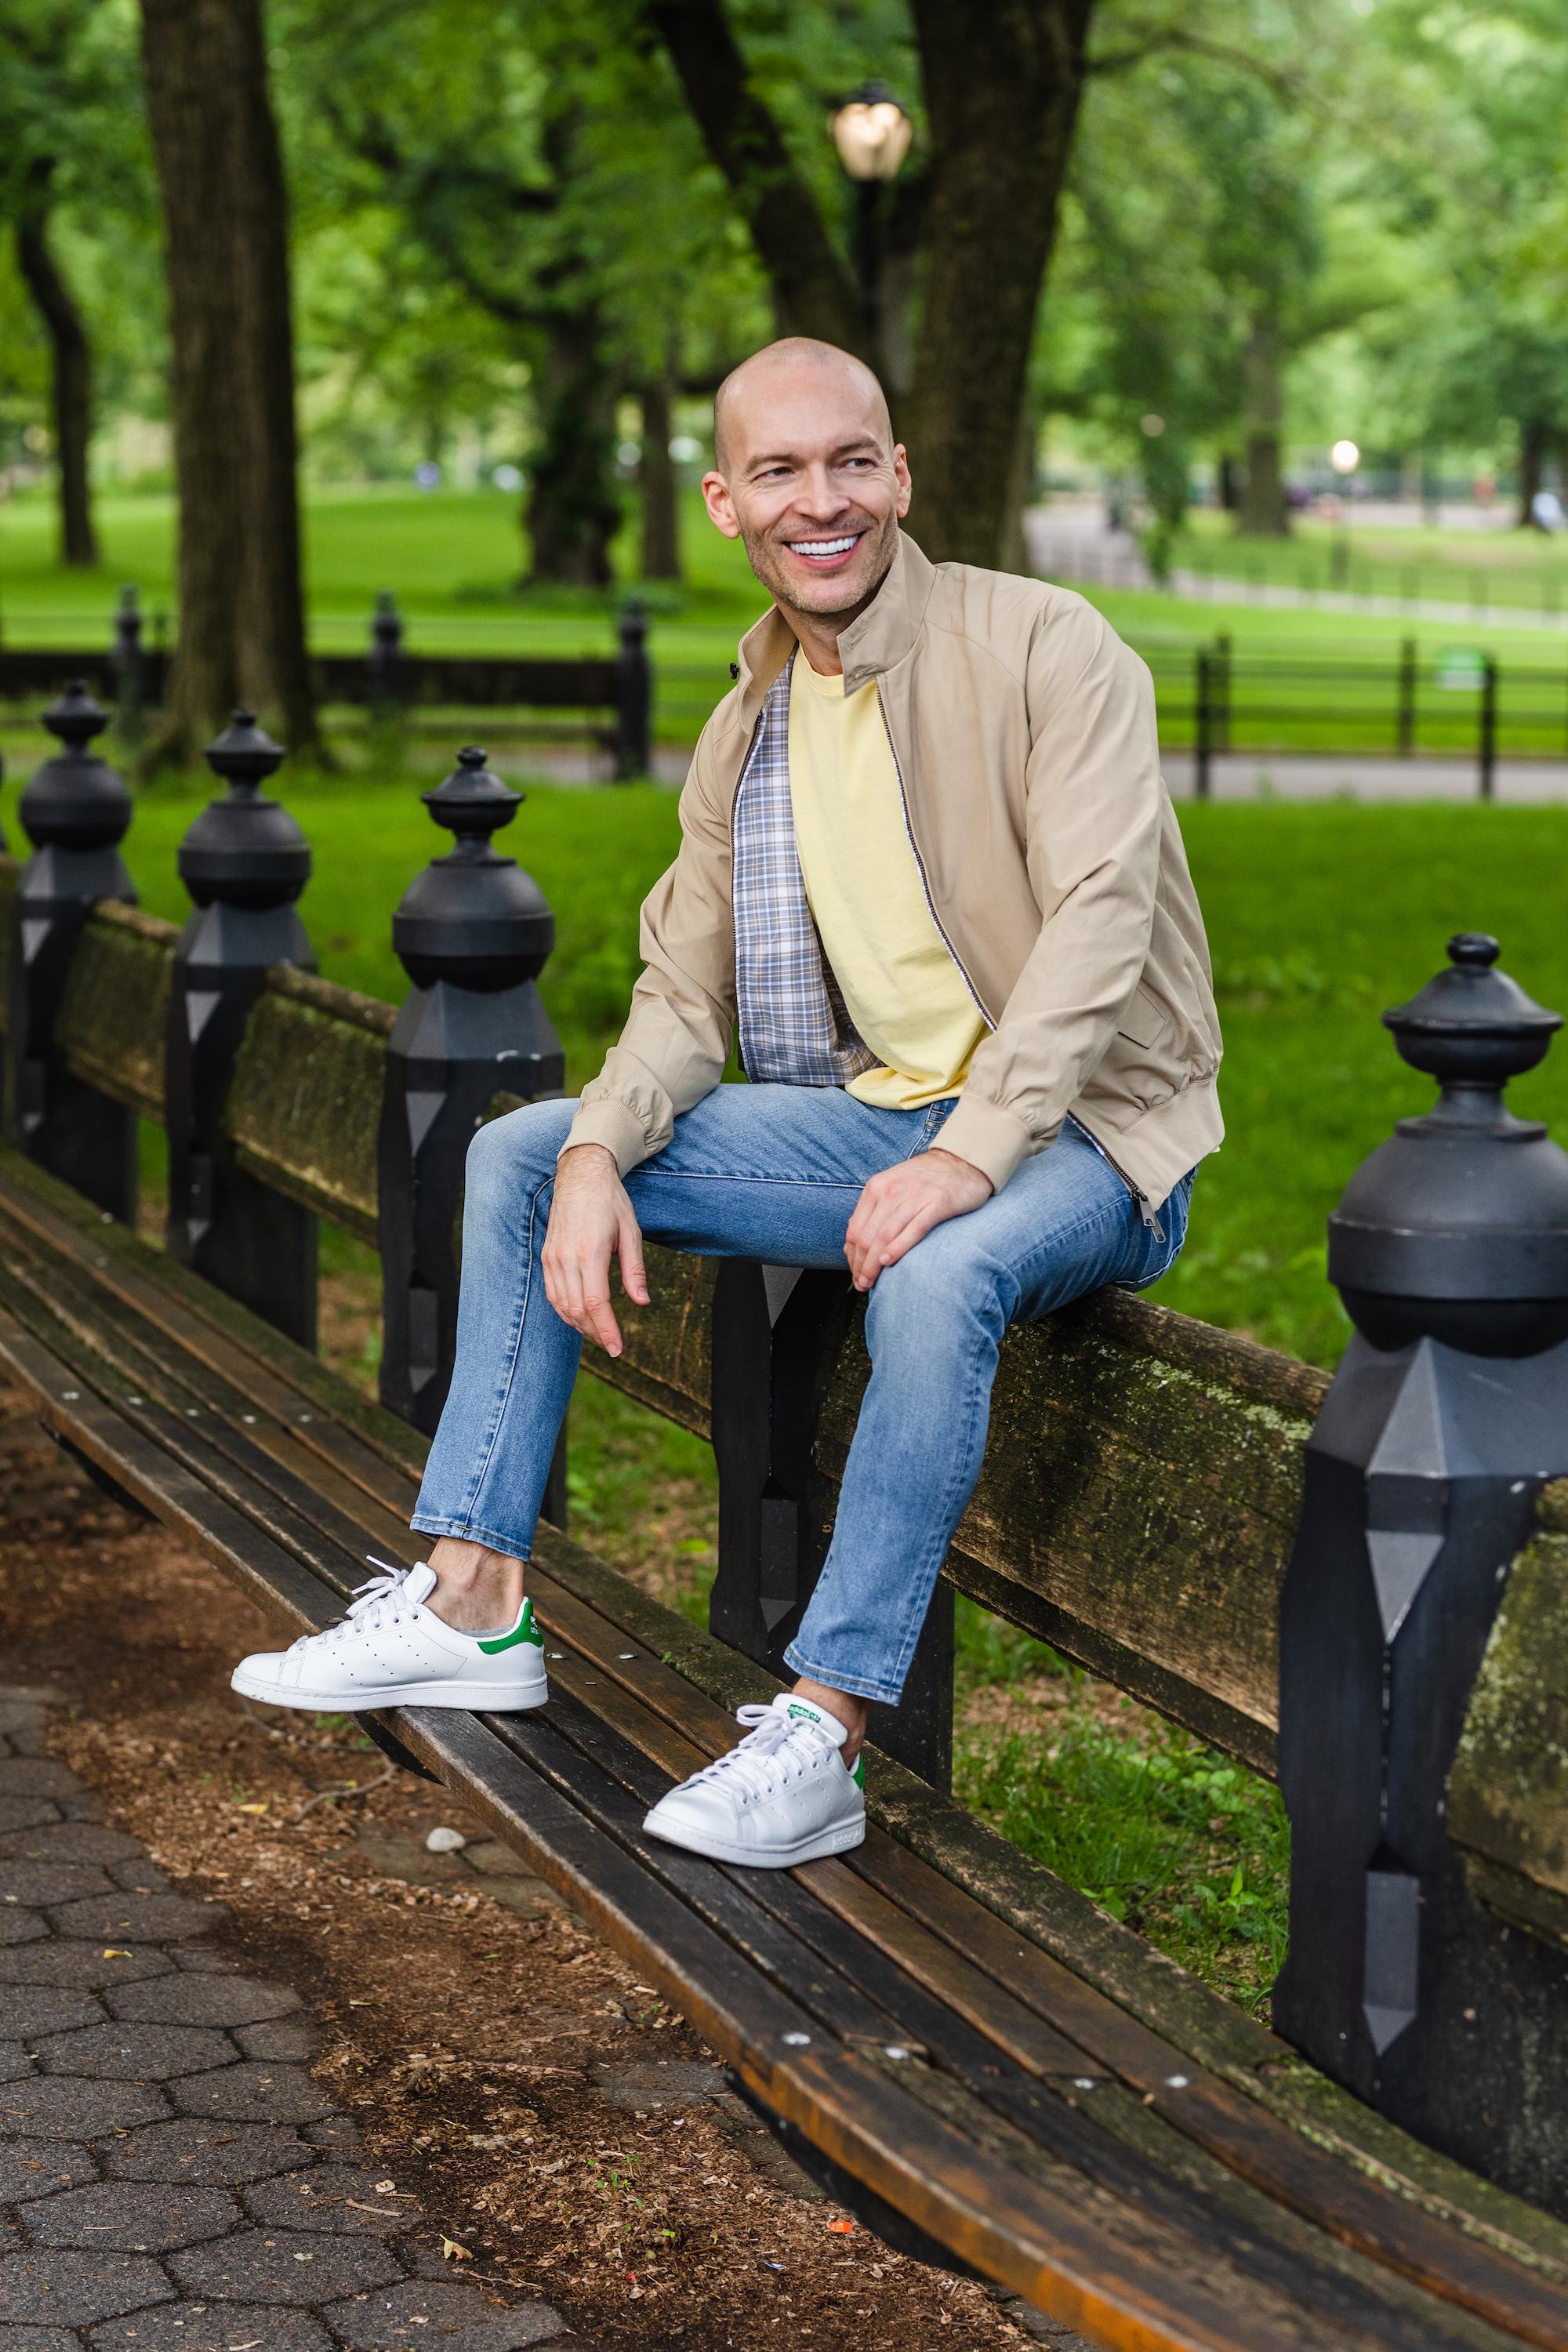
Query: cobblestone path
x=173 y=2178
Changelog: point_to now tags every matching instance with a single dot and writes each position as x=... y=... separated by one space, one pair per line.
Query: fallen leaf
x=452 y=2253
x=116 y=1952
x=250 y=1808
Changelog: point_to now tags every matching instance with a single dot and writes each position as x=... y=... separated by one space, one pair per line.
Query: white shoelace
x=380 y=1600
x=762 y=1761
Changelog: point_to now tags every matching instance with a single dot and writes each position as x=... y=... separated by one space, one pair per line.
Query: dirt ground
x=554 y=2115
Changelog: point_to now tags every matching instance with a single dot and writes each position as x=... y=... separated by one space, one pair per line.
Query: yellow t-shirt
x=900 y=986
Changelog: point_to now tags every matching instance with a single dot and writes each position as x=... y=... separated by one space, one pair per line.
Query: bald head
x=807 y=473
x=794 y=366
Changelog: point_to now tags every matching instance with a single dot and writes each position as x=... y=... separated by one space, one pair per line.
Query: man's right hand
x=591 y=1221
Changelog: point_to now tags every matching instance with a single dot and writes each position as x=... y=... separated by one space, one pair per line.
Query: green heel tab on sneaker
x=525 y=1630
x=859 y=1774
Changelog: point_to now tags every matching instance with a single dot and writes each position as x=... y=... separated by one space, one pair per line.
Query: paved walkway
x=173 y=2177
x=1267 y=775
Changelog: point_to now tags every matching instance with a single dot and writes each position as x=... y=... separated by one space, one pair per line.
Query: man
x=929 y=871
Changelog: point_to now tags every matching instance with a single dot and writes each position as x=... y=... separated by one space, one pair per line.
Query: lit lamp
x=1344 y=458
x=872 y=135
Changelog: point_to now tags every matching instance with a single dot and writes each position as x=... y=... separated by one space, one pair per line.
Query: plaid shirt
x=794 y=1030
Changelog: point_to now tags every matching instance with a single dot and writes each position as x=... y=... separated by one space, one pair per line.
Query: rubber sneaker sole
x=474 y=1698
x=841 y=1839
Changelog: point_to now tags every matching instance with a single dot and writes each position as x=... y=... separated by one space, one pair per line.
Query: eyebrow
x=792 y=456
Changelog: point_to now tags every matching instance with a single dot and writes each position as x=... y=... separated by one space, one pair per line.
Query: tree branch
x=1173 y=38
x=812 y=286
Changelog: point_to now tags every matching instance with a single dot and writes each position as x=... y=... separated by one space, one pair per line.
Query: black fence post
x=776 y=1332
x=1485 y=748
x=1203 y=724
x=75 y=812
x=128 y=664
x=473 y=932
x=1405 y=733
x=385 y=675
x=634 y=695
x=1448 y=1416
x=1222 y=691
x=243 y=862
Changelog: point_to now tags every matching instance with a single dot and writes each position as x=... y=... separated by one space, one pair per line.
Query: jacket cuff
x=611 y=1123
x=989 y=1138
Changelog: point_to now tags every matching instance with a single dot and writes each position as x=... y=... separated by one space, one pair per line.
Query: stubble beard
x=769 y=568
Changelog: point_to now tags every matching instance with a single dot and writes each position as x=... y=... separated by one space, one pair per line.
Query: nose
x=819 y=498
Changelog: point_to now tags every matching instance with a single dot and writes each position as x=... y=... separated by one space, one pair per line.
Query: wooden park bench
x=971 y=2055
x=606 y=697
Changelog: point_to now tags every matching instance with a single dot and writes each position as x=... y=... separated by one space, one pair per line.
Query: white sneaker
x=781 y=1797
x=390 y=1651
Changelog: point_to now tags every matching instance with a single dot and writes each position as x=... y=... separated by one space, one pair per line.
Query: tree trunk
x=1264 y=513
x=660 y=487
x=220 y=171
x=1534 y=442
x=1003 y=83
x=71 y=359
x=574 y=505
x=1228 y=487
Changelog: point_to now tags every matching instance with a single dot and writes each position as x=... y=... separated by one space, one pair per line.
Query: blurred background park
x=1250 y=324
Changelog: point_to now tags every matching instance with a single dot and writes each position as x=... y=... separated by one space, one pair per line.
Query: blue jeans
x=774 y=1172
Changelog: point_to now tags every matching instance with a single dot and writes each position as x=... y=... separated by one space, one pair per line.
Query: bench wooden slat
x=369 y=1445
x=255 y=1438
x=134 y=1456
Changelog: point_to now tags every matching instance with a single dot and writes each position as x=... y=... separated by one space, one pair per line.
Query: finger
x=633 y=1277
x=598 y=1316
x=898 y=1244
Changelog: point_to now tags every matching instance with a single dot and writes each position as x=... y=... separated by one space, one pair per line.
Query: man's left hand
x=899 y=1207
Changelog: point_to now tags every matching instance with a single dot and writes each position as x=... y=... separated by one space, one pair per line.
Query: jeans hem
x=425 y=1524
x=854 y=1685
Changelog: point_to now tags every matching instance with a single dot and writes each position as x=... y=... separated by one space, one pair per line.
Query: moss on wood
x=116 y=1006
x=1507 y=1790
x=305 y=1101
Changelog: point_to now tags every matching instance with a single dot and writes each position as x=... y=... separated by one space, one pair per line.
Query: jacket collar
x=877 y=638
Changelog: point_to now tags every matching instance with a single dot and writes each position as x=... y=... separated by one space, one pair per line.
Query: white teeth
x=825 y=546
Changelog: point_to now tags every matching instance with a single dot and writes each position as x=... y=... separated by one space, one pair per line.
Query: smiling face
x=808 y=476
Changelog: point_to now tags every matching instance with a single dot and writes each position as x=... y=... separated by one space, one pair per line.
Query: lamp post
x=872 y=135
x=1344 y=458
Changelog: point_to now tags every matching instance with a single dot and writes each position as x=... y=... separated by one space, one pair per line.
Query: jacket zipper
x=1149 y=1216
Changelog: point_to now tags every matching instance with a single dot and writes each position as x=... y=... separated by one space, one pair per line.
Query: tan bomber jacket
x=1023 y=731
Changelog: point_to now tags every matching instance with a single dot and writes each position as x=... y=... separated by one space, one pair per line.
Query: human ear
x=721 y=506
